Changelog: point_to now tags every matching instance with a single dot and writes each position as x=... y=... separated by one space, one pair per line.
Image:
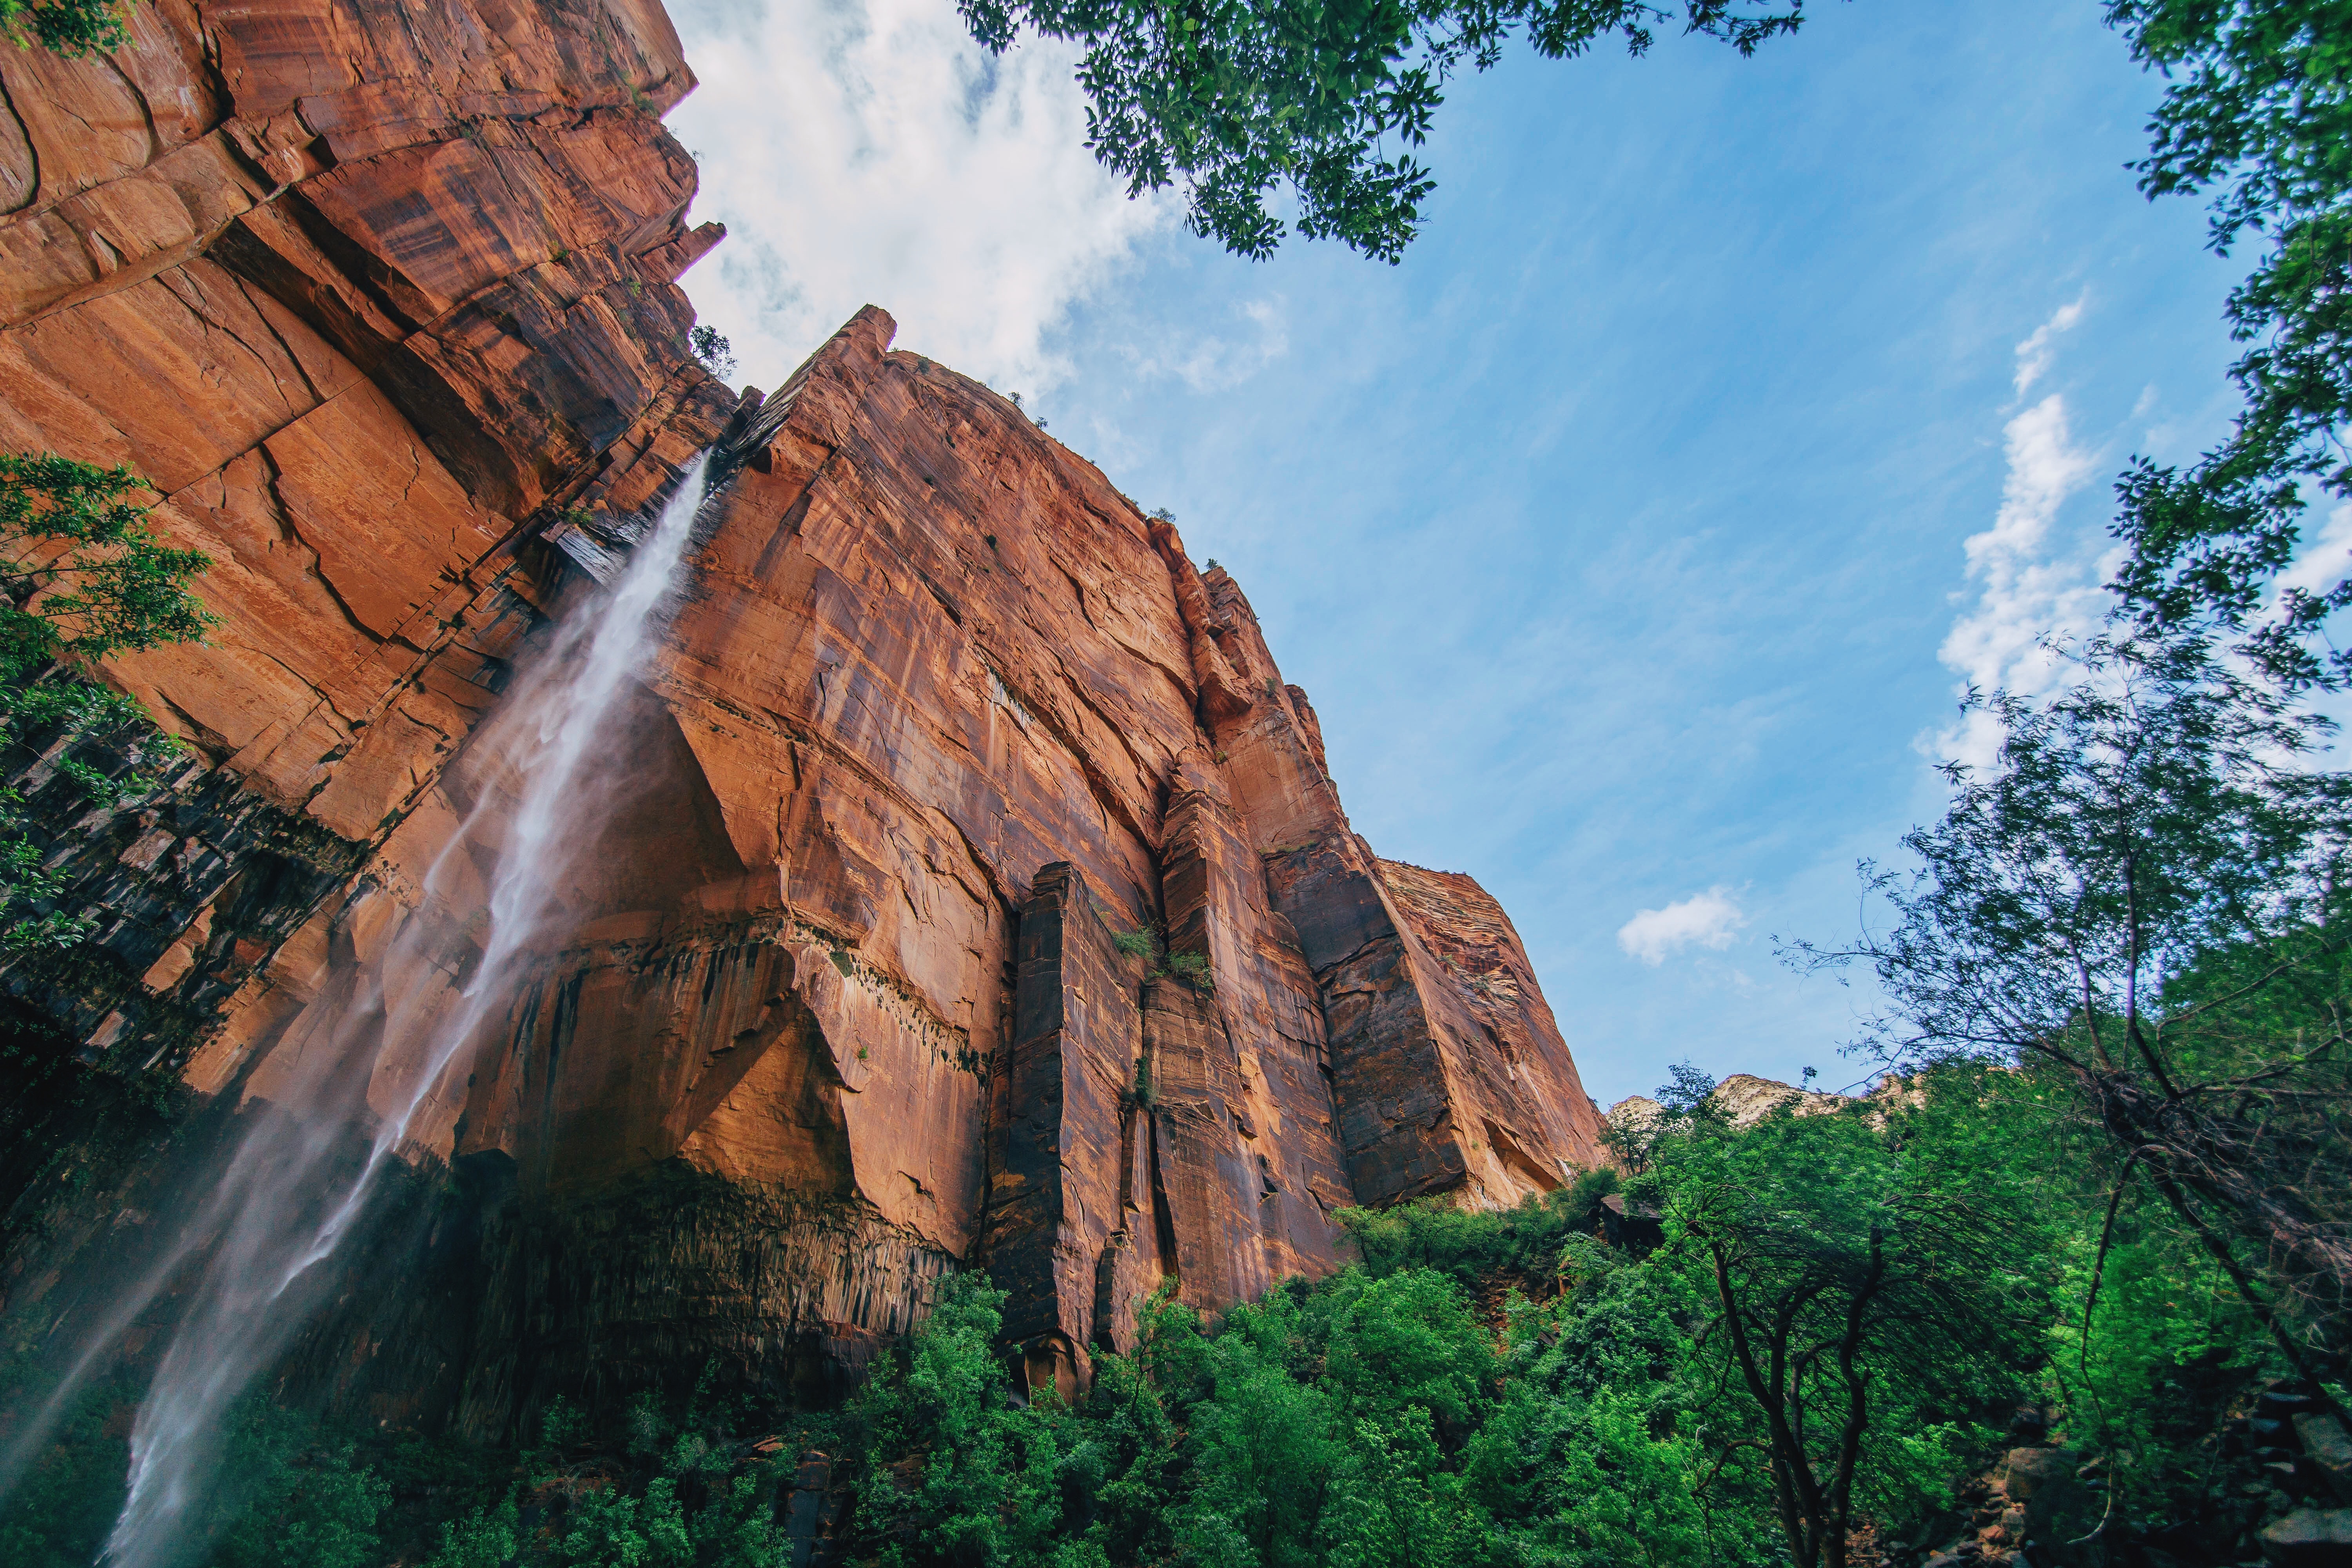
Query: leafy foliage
x=82 y=575
x=710 y=345
x=1592 y=1415
x=1862 y=1287
x=2144 y=896
x=1486 y=1390
x=979 y=1485
x=2258 y=112
x=291 y=1495
x=81 y=570
x=69 y=27
x=683 y=1493
x=1323 y=102
x=1148 y=943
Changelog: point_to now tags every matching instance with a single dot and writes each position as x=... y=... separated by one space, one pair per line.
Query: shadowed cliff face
x=380 y=293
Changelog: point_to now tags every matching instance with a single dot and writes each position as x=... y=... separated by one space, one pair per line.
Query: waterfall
x=289 y=1195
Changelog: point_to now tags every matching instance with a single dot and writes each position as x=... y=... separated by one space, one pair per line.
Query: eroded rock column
x=1064 y=1185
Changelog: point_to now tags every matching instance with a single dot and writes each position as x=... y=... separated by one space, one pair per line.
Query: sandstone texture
x=979 y=893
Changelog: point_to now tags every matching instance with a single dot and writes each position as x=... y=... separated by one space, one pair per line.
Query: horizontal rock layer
x=980 y=890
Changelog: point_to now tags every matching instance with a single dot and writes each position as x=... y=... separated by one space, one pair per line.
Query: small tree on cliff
x=68 y=27
x=82 y=575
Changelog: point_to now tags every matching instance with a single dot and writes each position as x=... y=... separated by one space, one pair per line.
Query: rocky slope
x=1743 y=1100
x=381 y=296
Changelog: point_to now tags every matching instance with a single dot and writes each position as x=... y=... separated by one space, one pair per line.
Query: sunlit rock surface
x=381 y=296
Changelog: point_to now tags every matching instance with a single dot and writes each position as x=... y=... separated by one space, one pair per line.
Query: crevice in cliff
x=284 y=515
x=358 y=269
x=319 y=397
x=211 y=742
x=156 y=148
x=1079 y=591
x=1004 y=898
x=32 y=153
x=1151 y=837
x=955 y=610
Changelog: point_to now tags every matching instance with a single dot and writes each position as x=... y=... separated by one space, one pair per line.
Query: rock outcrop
x=1743 y=1100
x=981 y=892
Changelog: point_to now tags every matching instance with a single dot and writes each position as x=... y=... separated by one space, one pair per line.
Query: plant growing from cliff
x=82 y=571
x=69 y=27
x=1191 y=969
x=710 y=346
x=82 y=575
x=1244 y=105
x=1146 y=942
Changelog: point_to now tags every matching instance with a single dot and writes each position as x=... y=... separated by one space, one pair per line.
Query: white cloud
x=2035 y=354
x=2025 y=587
x=1212 y=363
x=1704 y=920
x=868 y=152
x=2324 y=562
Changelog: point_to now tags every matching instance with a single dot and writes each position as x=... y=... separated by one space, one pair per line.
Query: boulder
x=2308 y=1538
x=2323 y=1438
x=2052 y=1505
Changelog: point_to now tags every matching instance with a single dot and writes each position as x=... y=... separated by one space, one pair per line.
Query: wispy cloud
x=2325 y=560
x=1707 y=919
x=867 y=152
x=2035 y=354
x=1210 y=362
x=2026 y=587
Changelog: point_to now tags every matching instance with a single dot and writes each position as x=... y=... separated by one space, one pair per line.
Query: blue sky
x=1633 y=537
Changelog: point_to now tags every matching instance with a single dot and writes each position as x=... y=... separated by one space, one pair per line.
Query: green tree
x=1263 y=1449
x=2257 y=113
x=82 y=575
x=1395 y=1503
x=81 y=570
x=304 y=1506
x=1863 y=1291
x=2144 y=896
x=1237 y=101
x=963 y=1476
x=71 y=27
x=1610 y=1489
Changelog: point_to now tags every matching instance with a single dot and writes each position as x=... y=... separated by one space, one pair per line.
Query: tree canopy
x=2257 y=115
x=2145 y=894
x=1241 y=102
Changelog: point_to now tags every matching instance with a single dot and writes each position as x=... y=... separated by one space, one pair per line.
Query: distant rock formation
x=1744 y=1099
x=381 y=294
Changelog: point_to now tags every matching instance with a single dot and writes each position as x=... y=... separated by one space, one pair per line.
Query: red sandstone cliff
x=381 y=295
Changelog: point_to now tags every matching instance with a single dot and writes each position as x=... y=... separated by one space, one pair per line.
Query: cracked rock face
x=981 y=895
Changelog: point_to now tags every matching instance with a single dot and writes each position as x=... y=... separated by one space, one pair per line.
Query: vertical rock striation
x=381 y=294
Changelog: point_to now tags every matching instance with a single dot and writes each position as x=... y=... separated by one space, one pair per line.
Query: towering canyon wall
x=381 y=295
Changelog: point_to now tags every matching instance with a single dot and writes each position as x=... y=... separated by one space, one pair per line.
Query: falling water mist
x=296 y=1187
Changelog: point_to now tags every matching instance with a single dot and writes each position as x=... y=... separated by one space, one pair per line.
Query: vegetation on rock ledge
x=82 y=575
